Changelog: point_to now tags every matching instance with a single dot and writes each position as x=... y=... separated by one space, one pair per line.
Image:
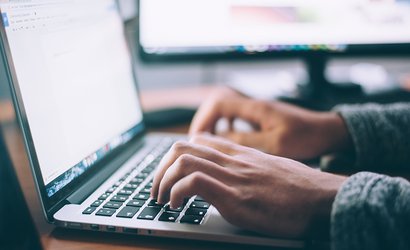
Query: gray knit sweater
x=372 y=211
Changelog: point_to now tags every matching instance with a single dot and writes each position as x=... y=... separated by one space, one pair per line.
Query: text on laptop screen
x=75 y=76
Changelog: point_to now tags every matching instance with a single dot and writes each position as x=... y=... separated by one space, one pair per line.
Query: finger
x=238 y=107
x=186 y=165
x=209 y=188
x=180 y=148
x=206 y=117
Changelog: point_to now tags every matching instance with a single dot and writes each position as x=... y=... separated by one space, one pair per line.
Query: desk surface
x=61 y=239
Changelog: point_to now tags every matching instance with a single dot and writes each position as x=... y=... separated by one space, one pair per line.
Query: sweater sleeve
x=372 y=212
x=380 y=134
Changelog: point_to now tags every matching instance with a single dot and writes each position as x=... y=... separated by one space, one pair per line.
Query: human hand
x=251 y=189
x=280 y=128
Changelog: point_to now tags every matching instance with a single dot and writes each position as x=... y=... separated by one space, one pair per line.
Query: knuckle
x=214 y=103
x=196 y=180
x=179 y=147
x=185 y=160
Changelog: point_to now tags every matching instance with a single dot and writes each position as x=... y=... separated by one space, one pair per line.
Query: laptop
x=13 y=209
x=73 y=82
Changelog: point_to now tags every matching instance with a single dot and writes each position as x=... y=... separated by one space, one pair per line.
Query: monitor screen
x=75 y=77
x=181 y=27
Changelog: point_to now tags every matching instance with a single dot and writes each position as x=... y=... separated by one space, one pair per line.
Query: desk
x=62 y=239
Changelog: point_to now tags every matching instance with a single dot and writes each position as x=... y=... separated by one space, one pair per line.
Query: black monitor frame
x=379 y=50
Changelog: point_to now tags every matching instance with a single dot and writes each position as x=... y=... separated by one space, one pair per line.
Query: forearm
x=371 y=211
x=380 y=135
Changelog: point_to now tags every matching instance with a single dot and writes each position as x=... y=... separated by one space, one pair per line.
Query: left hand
x=280 y=128
x=251 y=189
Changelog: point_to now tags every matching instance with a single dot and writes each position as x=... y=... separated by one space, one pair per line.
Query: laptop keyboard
x=130 y=198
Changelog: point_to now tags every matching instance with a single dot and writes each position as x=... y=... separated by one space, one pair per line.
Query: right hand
x=253 y=190
x=280 y=128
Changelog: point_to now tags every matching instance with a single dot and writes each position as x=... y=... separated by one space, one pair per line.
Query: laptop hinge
x=82 y=193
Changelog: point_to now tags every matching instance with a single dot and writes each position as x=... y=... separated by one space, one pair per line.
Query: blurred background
x=374 y=73
x=386 y=72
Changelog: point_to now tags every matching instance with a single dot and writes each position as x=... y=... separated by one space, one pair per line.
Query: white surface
x=75 y=76
x=265 y=85
x=187 y=23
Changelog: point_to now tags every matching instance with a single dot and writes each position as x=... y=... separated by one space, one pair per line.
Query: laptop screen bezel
x=53 y=203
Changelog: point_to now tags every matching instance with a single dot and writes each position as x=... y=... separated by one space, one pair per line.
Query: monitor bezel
x=368 y=50
x=352 y=50
x=51 y=204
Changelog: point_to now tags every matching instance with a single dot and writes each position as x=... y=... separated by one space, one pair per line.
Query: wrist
x=335 y=133
x=319 y=225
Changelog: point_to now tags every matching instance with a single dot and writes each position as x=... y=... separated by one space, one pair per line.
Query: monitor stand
x=321 y=94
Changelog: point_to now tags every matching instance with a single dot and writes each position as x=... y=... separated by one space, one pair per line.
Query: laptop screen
x=76 y=81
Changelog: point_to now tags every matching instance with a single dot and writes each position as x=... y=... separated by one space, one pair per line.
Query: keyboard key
x=186 y=200
x=149 y=213
x=146 y=190
x=199 y=204
x=131 y=186
x=195 y=211
x=128 y=212
x=142 y=175
x=126 y=176
x=112 y=204
x=168 y=216
x=141 y=196
x=154 y=203
x=191 y=219
x=199 y=198
x=120 y=198
x=168 y=208
x=110 y=190
x=157 y=160
x=137 y=181
x=125 y=192
x=105 y=212
x=136 y=203
x=149 y=185
x=147 y=170
x=89 y=210
x=97 y=203
x=104 y=196
x=118 y=183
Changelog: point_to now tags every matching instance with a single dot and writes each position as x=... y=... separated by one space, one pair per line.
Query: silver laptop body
x=74 y=90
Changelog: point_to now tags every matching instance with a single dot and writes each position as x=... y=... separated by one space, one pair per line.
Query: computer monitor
x=311 y=29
